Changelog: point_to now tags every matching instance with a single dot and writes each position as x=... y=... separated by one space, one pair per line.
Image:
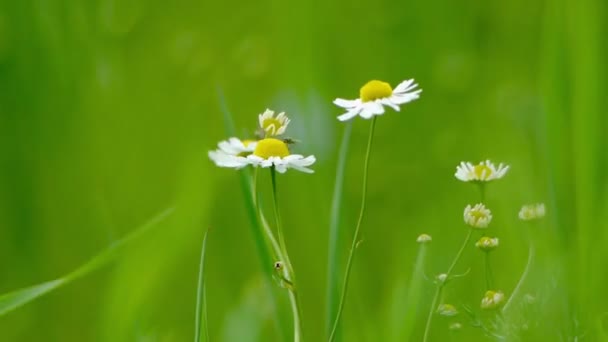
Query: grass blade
x=13 y=300
x=201 y=333
x=334 y=250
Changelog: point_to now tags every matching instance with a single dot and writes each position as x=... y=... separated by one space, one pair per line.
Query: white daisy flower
x=487 y=244
x=270 y=152
x=482 y=172
x=374 y=95
x=532 y=212
x=492 y=300
x=230 y=151
x=272 y=125
x=478 y=216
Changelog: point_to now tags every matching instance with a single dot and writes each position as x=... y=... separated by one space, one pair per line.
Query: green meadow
x=116 y=224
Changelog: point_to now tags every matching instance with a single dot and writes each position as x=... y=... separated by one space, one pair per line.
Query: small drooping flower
x=374 y=95
x=447 y=310
x=478 y=216
x=271 y=125
x=532 y=212
x=487 y=244
x=485 y=171
x=492 y=300
x=230 y=151
x=424 y=238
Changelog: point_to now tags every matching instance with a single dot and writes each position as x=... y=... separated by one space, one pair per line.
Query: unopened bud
x=447 y=310
x=424 y=238
x=487 y=244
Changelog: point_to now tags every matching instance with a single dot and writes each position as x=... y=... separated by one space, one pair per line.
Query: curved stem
x=289 y=271
x=355 y=241
x=521 y=280
x=441 y=285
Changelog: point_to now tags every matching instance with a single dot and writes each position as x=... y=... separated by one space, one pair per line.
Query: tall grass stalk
x=355 y=241
x=334 y=249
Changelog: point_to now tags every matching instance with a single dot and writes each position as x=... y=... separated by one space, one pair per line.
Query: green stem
x=429 y=318
x=441 y=285
x=335 y=249
x=278 y=255
x=289 y=271
x=355 y=241
x=488 y=271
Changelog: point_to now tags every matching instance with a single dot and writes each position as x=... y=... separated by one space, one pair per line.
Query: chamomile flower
x=485 y=171
x=487 y=244
x=478 y=216
x=274 y=152
x=230 y=151
x=271 y=125
x=532 y=212
x=492 y=300
x=374 y=95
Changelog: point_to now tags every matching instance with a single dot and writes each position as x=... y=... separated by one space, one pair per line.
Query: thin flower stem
x=277 y=216
x=441 y=285
x=521 y=280
x=269 y=235
x=427 y=328
x=289 y=271
x=488 y=271
x=459 y=254
x=355 y=241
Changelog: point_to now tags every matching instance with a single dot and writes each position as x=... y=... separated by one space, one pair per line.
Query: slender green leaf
x=201 y=333
x=334 y=269
x=13 y=300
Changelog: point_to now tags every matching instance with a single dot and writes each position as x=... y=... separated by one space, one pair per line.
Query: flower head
x=230 y=151
x=374 y=95
x=424 y=238
x=274 y=152
x=478 y=216
x=487 y=244
x=448 y=310
x=532 y=212
x=485 y=171
x=492 y=300
x=271 y=125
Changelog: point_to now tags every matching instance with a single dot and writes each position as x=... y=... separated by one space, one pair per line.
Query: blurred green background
x=108 y=108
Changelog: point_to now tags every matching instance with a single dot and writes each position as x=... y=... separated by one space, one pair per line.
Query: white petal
x=405 y=98
x=348 y=115
x=405 y=86
x=388 y=102
x=348 y=104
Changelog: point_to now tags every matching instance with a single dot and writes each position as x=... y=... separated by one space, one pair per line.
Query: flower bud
x=487 y=244
x=447 y=310
x=492 y=300
x=424 y=239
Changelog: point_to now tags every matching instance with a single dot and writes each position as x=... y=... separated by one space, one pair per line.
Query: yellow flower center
x=374 y=90
x=270 y=147
x=482 y=170
x=271 y=125
x=477 y=214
